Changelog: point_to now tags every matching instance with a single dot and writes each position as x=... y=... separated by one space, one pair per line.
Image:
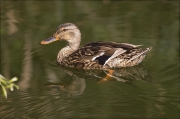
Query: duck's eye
x=64 y=30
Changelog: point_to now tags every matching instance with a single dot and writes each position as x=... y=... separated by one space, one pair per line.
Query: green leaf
x=12 y=88
x=13 y=79
x=2 y=77
x=3 y=81
x=4 y=91
x=17 y=87
x=7 y=84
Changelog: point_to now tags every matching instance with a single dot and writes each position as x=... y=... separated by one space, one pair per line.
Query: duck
x=94 y=55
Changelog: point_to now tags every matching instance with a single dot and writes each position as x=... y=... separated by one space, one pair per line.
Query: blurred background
x=150 y=90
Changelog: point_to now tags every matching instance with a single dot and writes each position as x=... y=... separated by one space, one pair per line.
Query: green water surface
x=47 y=91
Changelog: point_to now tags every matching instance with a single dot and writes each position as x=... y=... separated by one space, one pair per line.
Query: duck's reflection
x=132 y=74
x=73 y=87
x=76 y=84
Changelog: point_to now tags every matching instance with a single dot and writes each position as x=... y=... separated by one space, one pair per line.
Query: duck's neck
x=66 y=51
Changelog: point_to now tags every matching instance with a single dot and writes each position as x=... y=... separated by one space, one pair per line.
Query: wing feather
x=102 y=51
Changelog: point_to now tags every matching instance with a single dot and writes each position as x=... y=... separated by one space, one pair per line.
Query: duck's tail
x=135 y=60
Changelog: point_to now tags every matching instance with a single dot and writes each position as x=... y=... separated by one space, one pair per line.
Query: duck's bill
x=49 y=40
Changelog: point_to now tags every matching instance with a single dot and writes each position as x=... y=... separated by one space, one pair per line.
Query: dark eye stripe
x=65 y=29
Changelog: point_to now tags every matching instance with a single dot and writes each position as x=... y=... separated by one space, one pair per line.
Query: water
x=149 y=90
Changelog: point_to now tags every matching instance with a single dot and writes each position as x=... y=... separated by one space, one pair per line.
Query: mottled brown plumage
x=94 y=55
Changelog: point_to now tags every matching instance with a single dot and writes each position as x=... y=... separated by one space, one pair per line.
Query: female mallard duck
x=94 y=55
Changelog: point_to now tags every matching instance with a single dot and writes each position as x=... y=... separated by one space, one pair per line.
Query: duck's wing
x=103 y=51
x=112 y=44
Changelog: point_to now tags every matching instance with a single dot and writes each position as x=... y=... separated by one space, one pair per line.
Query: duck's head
x=68 y=32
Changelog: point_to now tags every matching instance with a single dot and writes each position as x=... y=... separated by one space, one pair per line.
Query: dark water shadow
x=76 y=84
